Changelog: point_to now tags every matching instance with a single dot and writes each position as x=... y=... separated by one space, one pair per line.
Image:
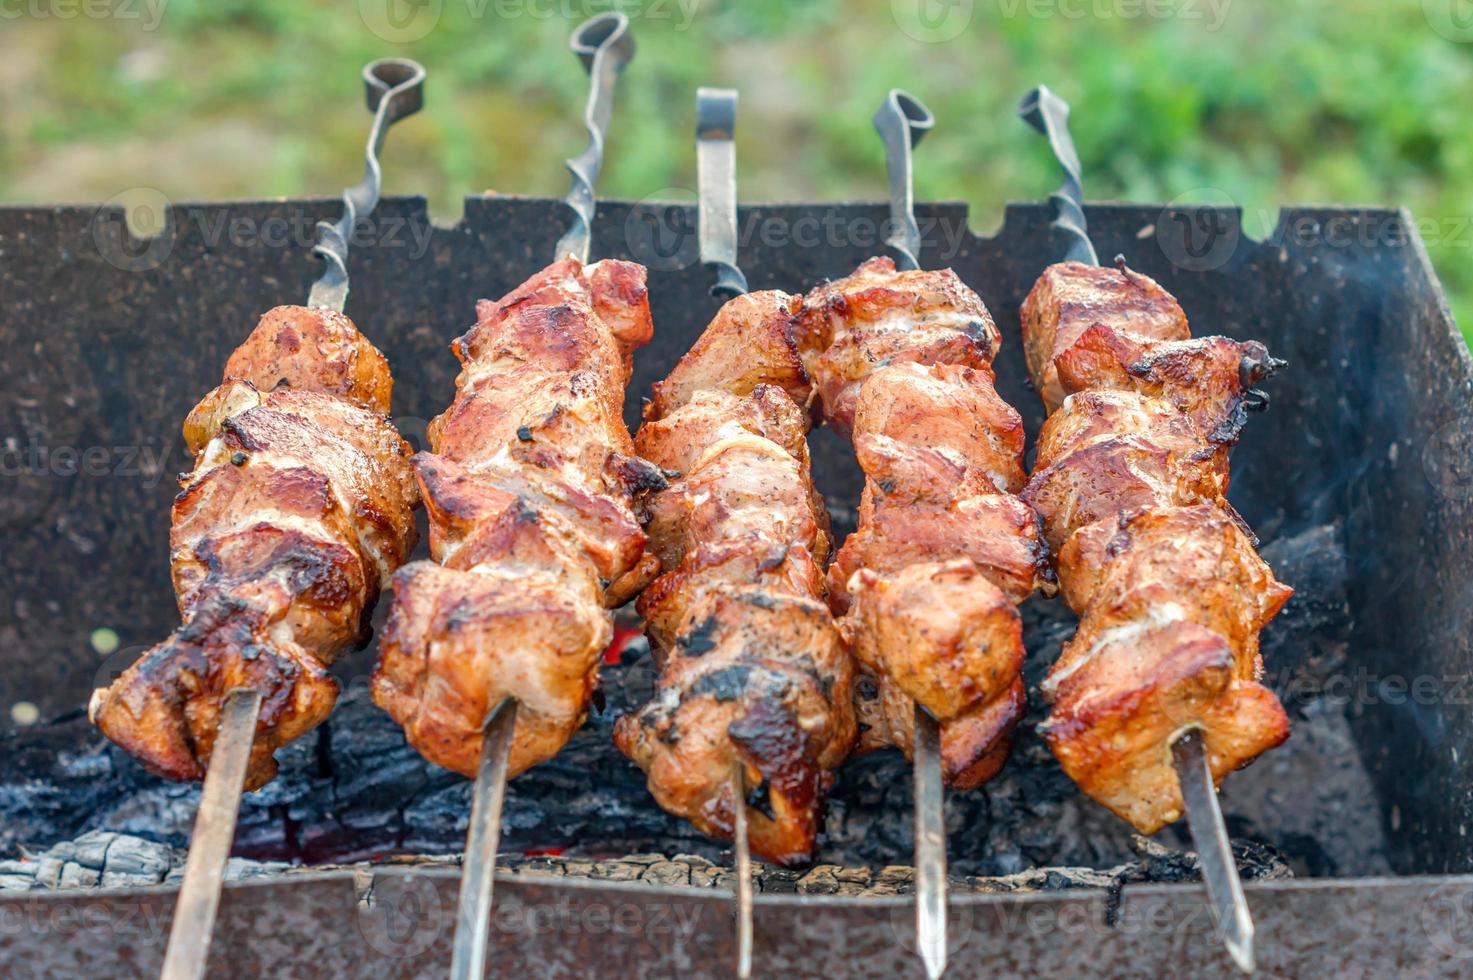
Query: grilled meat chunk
x=754 y=675
x=1130 y=481
x=1071 y=297
x=878 y=316
x=1107 y=451
x=1208 y=379
x=315 y=350
x=750 y=342
x=530 y=488
x=974 y=744
x=758 y=680
x=920 y=505
x=297 y=512
x=928 y=584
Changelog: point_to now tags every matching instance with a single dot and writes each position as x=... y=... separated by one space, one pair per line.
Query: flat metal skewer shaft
x=930 y=849
x=744 y=873
x=478 y=874
x=214 y=831
x=1214 y=849
x=1049 y=114
x=902 y=120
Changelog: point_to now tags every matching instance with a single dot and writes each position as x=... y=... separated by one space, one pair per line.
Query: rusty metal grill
x=1356 y=479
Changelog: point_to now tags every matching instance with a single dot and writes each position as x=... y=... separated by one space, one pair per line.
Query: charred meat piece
x=1107 y=451
x=1130 y=481
x=1208 y=379
x=751 y=341
x=760 y=680
x=297 y=512
x=878 y=316
x=1071 y=297
x=753 y=671
x=928 y=585
x=530 y=486
x=974 y=744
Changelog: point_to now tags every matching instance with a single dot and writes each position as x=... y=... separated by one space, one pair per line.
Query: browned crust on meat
x=298 y=509
x=929 y=583
x=532 y=491
x=1130 y=483
x=754 y=674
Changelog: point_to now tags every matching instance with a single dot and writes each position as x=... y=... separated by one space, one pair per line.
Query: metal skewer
x=716 y=218
x=605 y=46
x=930 y=846
x=717 y=232
x=1049 y=114
x=1214 y=849
x=473 y=914
x=214 y=831
x=395 y=89
x=744 y=873
x=902 y=120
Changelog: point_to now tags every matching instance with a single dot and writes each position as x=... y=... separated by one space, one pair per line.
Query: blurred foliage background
x=1302 y=101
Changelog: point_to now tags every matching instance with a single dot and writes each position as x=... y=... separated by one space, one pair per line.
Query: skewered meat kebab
x=752 y=668
x=753 y=702
x=295 y=515
x=530 y=485
x=490 y=655
x=1129 y=482
x=929 y=583
x=754 y=676
x=298 y=509
x=753 y=671
x=1157 y=696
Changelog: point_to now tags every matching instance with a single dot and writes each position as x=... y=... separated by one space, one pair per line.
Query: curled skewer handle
x=605 y=45
x=902 y=121
x=716 y=183
x=1049 y=114
x=395 y=89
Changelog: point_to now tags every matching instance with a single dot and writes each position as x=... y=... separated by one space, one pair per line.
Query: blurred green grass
x=1309 y=101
